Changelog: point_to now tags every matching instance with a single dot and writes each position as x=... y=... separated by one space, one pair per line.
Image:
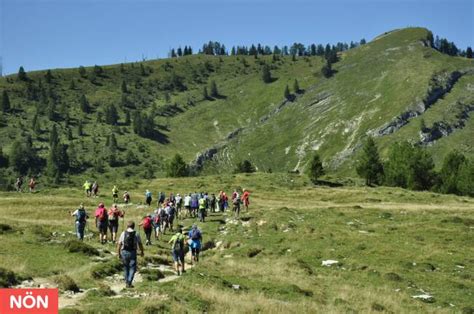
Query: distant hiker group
x=192 y=205
x=19 y=184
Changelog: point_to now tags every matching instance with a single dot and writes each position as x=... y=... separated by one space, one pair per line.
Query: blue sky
x=42 y=34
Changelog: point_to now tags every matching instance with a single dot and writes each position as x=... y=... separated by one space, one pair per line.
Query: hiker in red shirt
x=101 y=221
x=147 y=224
x=245 y=199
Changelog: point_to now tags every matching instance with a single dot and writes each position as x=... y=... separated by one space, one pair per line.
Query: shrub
x=75 y=246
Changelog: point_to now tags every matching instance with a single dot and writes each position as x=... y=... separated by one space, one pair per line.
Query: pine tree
x=35 y=125
x=369 y=165
x=22 y=74
x=422 y=175
x=53 y=136
x=124 y=87
x=85 y=107
x=287 y=93
x=80 y=131
x=111 y=115
x=72 y=85
x=205 y=95
x=315 y=169
x=450 y=172
x=48 y=77
x=327 y=70
x=397 y=168
x=82 y=72
x=127 y=118
x=5 y=102
x=177 y=167
x=142 y=69
x=465 y=182
x=266 y=74
x=469 y=53
x=214 y=91
x=296 y=86
x=3 y=159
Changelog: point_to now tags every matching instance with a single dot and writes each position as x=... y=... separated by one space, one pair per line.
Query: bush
x=65 y=283
x=4 y=228
x=106 y=269
x=315 y=169
x=7 y=278
x=102 y=291
x=244 y=167
x=75 y=246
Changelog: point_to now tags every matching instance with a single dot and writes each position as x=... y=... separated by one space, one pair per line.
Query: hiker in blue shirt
x=81 y=219
x=195 y=239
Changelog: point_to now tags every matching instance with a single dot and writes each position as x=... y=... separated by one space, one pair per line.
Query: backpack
x=179 y=244
x=81 y=215
x=156 y=219
x=195 y=234
x=103 y=214
x=129 y=241
x=147 y=223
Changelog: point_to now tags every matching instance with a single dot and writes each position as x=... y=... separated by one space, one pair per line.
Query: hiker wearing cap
x=126 y=197
x=127 y=246
x=81 y=220
x=101 y=221
x=245 y=199
x=177 y=250
x=115 y=191
x=148 y=197
x=114 y=215
x=195 y=239
x=147 y=224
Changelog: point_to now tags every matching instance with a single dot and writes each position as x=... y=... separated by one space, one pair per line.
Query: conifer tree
x=85 y=107
x=369 y=165
x=315 y=169
x=266 y=74
x=214 y=91
x=469 y=53
x=5 y=102
x=296 y=86
x=48 y=77
x=124 y=87
x=287 y=93
x=177 y=167
x=22 y=74
x=205 y=94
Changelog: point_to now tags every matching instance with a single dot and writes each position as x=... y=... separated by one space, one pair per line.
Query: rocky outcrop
x=440 y=85
x=441 y=128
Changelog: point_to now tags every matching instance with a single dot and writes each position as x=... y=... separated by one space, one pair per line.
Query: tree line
x=412 y=167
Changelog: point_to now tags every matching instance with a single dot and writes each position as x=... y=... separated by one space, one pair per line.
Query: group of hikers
x=168 y=208
x=19 y=184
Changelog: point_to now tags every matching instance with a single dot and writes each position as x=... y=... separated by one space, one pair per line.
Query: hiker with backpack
x=179 y=205
x=195 y=239
x=127 y=246
x=156 y=219
x=212 y=203
x=177 y=250
x=95 y=189
x=18 y=184
x=147 y=224
x=126 y=197
x=245 y=199
x=202 y=209
x=148 y=197
x=87 y=188
x=161 y=198
x=194 y=204
x=115 y=191
x=32 y=184
x=114 y=215
x=163 y=219
x=187 y=204
x=80 y=222
x=236 y=203
x=171 y=212
x=101 y=221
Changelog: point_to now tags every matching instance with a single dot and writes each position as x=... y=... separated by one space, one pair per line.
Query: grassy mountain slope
x=373 y=85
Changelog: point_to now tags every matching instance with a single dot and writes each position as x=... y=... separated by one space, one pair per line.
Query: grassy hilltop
x=390 y=245
x=384 y=88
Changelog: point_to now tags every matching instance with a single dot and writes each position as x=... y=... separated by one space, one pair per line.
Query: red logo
x=28 y=301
